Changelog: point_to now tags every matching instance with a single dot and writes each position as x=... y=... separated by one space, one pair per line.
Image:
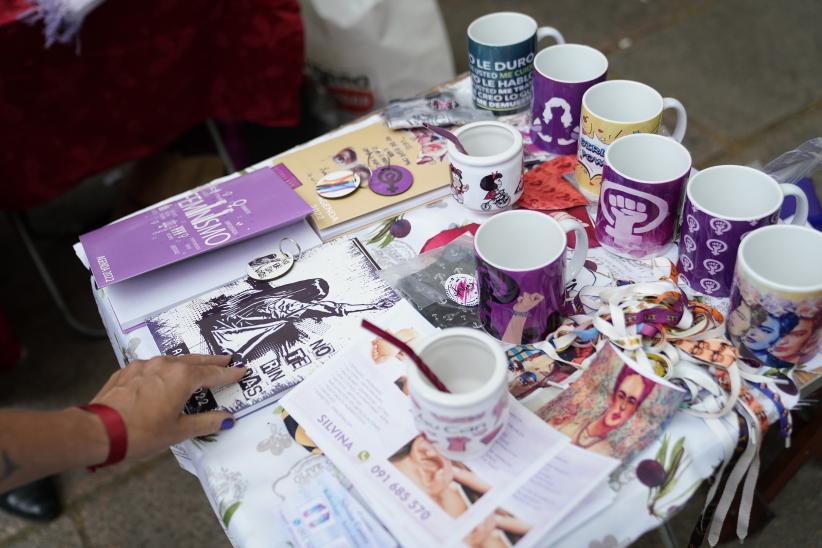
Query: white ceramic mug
x=489 y=177
x=522 y=273
x=613 y=109
x=722 y=204
x=642 y=186
x=465 y=422
x=501 y=48
x=776 y=299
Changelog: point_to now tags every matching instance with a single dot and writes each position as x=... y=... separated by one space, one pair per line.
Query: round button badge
x=462 y=289
x=270 y=267
x=390 y=180
x=276 y=264
x=338 y=184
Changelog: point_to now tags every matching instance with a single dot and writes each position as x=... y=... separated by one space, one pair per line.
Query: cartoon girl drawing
x=263 y=319
x=458 y=188
x=630 y=390
x=494 y=195
x=760 y=340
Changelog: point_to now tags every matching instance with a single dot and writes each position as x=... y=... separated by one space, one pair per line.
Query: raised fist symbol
x=690 y=244
x=627 y=213
x=709 y=285
x=712 y=266
x=693 y=224
x=717 y=246
x=720 y=226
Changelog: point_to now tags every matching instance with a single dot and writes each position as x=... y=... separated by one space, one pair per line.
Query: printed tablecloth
x=256 y=468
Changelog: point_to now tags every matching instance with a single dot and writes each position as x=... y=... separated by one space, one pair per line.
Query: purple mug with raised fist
x=642 y=184
x=562 y=75
x=722 y=205
x=522 y=273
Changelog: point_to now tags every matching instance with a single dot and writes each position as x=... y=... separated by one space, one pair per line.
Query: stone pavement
x=750 y=75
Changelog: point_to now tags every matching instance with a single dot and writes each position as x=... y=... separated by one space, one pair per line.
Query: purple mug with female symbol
x=642 y=185
x=522 y=273
x=723 y=204
x=562 y=75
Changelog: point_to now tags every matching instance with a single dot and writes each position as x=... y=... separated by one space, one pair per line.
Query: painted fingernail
x=227 y=423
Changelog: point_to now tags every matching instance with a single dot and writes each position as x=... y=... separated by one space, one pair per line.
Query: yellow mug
x=611 y=110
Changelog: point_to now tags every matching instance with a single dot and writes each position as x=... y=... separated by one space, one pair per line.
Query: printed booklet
x=356 y=410
x=281 y=330
x=198 y=221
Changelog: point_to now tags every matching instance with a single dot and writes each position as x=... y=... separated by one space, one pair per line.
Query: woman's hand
x=150 y=396
x=527 y=301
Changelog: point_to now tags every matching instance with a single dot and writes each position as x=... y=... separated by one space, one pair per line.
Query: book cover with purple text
x=199 y=221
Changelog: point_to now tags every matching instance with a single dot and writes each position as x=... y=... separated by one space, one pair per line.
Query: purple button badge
x=390 y=180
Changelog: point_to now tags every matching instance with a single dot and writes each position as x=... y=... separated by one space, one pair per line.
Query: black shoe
x=37 y=501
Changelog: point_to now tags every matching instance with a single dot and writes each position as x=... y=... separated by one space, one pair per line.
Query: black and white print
x=280 y=329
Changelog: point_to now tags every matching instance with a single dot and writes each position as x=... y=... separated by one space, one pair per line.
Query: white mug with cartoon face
x=464 y=423
x=489 y=177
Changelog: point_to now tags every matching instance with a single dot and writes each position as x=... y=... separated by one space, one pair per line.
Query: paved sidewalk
x=750 y=76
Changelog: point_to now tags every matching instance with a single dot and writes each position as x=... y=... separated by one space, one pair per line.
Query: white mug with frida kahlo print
x=611 y=110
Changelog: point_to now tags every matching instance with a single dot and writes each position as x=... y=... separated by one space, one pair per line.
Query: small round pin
x=338 y=184
x=390 y=180
x=275 y=264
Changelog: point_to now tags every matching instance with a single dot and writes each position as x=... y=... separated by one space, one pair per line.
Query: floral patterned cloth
x=144 y=73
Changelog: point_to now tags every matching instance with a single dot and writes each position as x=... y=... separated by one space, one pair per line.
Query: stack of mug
x=731 y=243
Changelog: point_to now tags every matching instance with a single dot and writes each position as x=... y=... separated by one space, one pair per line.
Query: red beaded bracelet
x=116 y=429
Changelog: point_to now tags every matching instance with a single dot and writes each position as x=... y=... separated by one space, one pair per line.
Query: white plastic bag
x=363 y=53
x=797 y=163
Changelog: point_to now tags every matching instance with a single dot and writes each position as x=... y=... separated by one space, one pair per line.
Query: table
x=250 y=470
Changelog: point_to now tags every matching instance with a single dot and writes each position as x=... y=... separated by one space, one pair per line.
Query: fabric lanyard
x=718 y=481
x=785 y=420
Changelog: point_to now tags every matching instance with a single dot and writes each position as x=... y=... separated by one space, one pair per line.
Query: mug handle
x=580 y=251
x=545 y=32
x=801 y=214
x=681 y=118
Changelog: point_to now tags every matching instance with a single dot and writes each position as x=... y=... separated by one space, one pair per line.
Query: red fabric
x=146 y=72
x=116 y=430
x=545 y=189
x=447 y=236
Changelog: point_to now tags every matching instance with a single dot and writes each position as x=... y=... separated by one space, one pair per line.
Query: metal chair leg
x=218 y=143
x=52 y=288
x=666 y=535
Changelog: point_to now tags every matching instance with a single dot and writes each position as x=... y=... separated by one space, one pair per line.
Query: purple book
x=199 y=221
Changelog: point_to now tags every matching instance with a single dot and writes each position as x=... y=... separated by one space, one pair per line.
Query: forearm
x=35 y=444
x=513 y=332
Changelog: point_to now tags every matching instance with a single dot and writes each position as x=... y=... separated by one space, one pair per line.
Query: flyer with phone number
x=357 y=411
